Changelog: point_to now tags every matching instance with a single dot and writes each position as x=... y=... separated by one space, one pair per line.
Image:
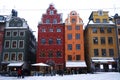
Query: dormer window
x=100 y=12
x=51 y=12
x=73 y=20
x=54 y=21
x=47 y=21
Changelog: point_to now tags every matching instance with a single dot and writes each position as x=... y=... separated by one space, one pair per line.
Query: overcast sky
x=32 y=10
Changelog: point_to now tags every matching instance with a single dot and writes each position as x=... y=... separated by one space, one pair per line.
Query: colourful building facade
x=100 y=42
x=50 y=49
x=74 y=42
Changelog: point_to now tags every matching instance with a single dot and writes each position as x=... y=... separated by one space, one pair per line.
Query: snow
x=96 y=76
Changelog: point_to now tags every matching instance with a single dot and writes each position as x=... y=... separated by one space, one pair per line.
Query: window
x=69 y=46
x=77 y=27
x=14 y=44
x=22 y=33
x=58 y=30
x=6 y=56
x=51 y=12
x=97 y=20
x=42 y=54
x=77 y=36
x=73 y=20
x=21 y=43
x=96 y=53
x=47 y=21
x=94 y=30
x=50 y=41
x=109 y=30
x=77 y=46
x=50 y=54
x=15 y=33
x=101 y=29
x=54 y=21
x=69 y=57
x=7 y=44
x=15 y=22
x=111 y=52
x=103 y=52
x=59 y=54
x=102 y=40
x=77 y=57
x=43 y=41
x=69 y=36
x=58 y=41
x=100 y=12
x=95 y=40
x=8 y=33
x=13 y=56
x=50 y=30
x=110 y=40
x=43 y=30
x=20 y=56
x=69 y=27
x=104 y=20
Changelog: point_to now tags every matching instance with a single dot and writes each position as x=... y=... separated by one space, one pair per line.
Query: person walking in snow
x=19 y=73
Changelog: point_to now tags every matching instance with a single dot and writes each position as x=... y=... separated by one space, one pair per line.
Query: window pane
x=50 y=41
x=110 y=40
x=21 y=44
x=50 y=54
x=43 y=41
x=97 y=20
x=15 y=33
x=7 y=44
x=6 y=56
x=77 y=27
x=69 y=27
x=58 y=30
x=58 y=41
x=69 y=36
x=50 y=30
x=94 y=30
x=95 y=40
x=102 y=40
x=69 y=57
x=77 y=36
x=102 y=30
x=43 y=30
x=77 y=57
x=69 y=46
x=96 y=53
x=42 y=54
x=8 y=33
x=22 y=33
x=20 y=56
x=59 y=54
x=77 y=46
x=103 y=52
x=104 y=20
x=13 y=56
x=111 y=52
x=54 y=21
x=47 y=21
x=109 y=30
x=14 y=44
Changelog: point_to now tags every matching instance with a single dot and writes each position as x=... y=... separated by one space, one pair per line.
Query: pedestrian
x=19 y=73
x=22 y=73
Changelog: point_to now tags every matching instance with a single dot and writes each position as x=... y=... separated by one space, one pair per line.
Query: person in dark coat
x=19 y=73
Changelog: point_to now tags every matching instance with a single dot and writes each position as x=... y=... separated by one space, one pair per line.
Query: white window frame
x=4 y=56
x=19 y=44
x=18 y=56
x=5 y=44
x=11 y=56
x=12 y=44
x=23 y=33
x=13 y=33
x=6 y=33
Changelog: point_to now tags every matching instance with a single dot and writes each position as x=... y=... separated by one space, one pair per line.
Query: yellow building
x=74 y=42
x=100 y=42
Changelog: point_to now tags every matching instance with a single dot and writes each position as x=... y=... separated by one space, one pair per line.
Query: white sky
x=32 y=10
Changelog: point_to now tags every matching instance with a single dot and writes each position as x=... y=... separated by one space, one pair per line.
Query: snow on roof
x=76 y=64
x=110 y=22
x=15 y=64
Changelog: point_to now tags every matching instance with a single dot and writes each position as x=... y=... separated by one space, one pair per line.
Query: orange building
x=74 y=42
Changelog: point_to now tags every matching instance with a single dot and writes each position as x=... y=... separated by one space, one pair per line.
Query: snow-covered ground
x=97 y=76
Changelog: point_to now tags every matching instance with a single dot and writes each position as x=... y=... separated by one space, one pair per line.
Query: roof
x=76 y=64
x=15 y=64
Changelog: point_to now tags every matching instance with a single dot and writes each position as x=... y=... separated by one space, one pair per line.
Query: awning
x=15 y=64
x=40 y=64
x=102 y=59
x=76 y=64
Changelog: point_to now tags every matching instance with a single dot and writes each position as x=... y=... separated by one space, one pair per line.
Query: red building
x=2 y=26
x=50 y=47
